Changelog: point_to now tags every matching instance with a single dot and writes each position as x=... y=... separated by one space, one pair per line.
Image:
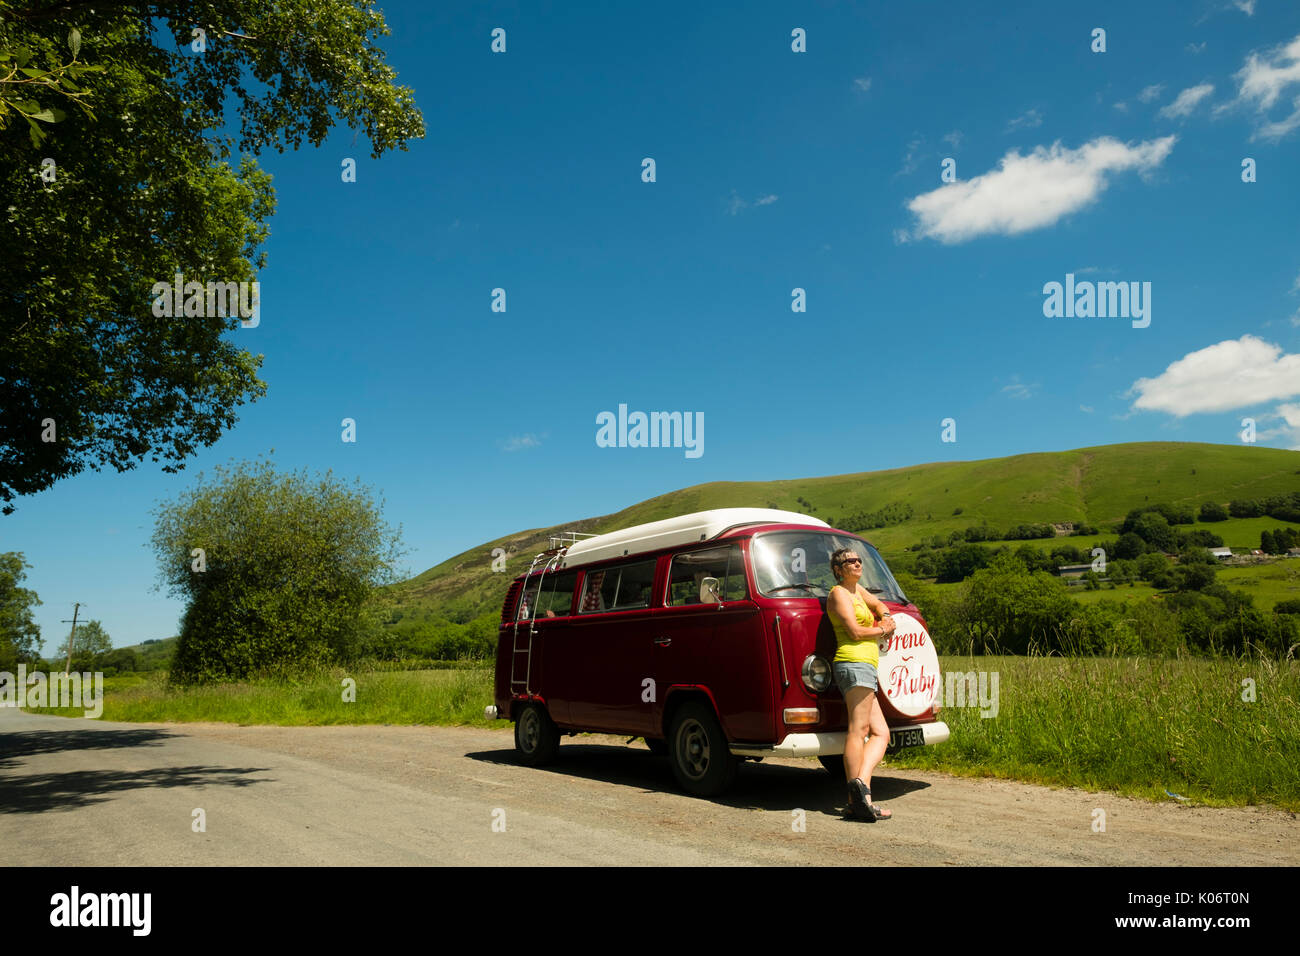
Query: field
x=1134 y=726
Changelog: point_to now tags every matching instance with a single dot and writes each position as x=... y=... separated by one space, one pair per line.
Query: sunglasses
x=851 y=561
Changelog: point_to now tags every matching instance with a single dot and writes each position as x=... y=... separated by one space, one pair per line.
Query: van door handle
x=663 y=641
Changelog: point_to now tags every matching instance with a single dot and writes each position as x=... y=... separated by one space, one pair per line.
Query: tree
x=960 y=562
x=1018 y=609
x=143 y=187
x=88 y=644
x=1130 y=545
x=1267 y=544
x=20 y=635
x=279 y=571
x=1153 y=528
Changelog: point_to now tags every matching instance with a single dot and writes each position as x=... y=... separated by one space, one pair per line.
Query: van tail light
x=801 y=715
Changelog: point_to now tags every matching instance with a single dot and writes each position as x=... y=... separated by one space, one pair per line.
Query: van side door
x=608 y=646
x=719 y=646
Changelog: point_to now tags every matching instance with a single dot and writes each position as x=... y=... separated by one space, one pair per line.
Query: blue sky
x=775 y=170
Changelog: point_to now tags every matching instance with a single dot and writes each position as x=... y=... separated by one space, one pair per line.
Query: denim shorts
x=850 y=674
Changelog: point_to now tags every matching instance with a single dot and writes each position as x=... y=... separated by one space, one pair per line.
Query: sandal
x=877 y=813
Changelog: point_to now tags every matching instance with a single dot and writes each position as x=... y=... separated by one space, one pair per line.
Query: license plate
x=913 y=737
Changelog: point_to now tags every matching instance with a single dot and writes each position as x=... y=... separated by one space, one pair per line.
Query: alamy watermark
x=653 y=430
x=972 y=689
x=1086 y=300
x=53 y=690
x=181 y=299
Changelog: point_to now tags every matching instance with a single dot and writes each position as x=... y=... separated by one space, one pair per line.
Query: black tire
x=657 y=746
x=697 y=749
x=537 y=739
x=834 y=764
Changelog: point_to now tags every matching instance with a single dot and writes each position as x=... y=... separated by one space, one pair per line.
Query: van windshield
x=795 y=563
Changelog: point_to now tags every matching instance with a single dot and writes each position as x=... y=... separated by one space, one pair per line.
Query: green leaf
x=48 y=115
x=28 y=71
x=22 y=55
x=74 y=41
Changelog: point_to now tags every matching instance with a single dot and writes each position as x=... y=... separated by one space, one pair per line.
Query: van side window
x=688 y=571
x=618 y=588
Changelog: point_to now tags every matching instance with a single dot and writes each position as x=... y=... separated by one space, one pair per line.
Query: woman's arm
x=877 y=606
x=840 y=605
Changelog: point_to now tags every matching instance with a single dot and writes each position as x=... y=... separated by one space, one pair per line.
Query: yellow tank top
x=851 y=649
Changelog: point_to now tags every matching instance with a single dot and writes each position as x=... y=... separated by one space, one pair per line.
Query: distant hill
x=1097 y=486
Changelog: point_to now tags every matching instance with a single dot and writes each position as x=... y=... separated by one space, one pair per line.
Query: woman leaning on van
x=853 y=612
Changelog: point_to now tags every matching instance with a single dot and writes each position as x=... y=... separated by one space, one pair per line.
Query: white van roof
x=671 y=532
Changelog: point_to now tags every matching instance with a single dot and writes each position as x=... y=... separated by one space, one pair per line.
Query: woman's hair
x=837 y=560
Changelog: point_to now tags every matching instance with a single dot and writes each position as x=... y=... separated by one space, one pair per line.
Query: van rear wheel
x=698 y=752
x=537 y=739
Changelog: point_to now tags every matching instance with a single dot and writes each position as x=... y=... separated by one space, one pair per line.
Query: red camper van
x=707 y=635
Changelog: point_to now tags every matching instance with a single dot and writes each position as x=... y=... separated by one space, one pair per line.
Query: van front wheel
x=697 y=749
x=536 y=737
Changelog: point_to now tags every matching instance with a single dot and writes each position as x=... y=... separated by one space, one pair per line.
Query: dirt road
x=84 y=792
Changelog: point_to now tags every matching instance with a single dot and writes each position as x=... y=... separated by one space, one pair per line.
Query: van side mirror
x=709 y=591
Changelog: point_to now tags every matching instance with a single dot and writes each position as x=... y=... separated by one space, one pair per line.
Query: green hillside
x=1096 y=486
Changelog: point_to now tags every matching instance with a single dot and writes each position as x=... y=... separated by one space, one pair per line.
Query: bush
x=1213 y=511
x=1246 y=508
x=960 y=562
x=286 y=575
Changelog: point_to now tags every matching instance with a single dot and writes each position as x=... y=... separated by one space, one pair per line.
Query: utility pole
x=72 y=636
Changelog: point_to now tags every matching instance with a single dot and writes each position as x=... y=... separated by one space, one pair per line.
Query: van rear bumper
x=827 y=744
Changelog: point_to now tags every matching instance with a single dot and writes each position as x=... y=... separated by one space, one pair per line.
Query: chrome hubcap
x=693 y=748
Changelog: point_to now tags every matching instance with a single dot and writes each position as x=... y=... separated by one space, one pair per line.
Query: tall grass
x=451 y=697
x=1138 y=725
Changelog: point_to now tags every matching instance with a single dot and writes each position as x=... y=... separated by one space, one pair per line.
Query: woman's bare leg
x=858 y=702
x=874 y=750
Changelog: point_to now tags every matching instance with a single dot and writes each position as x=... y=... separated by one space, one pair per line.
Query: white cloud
x=1263 y=80
x=1029 y=192
x=1288 y=430
x=1236 y=373
x=1019 y=390
x=1151 y=92
x=735 y=204
x=1281 y=127
x=1086 y=408
x=1245 y=6
x=909 y=161
x=1122 y=107
x=516 y=442
x=1031 y=119
x=953 y=139
x=1195 y=47
x=1187 y=101
x=862 y=83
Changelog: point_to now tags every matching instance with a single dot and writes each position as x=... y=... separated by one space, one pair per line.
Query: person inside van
x=854 y=612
